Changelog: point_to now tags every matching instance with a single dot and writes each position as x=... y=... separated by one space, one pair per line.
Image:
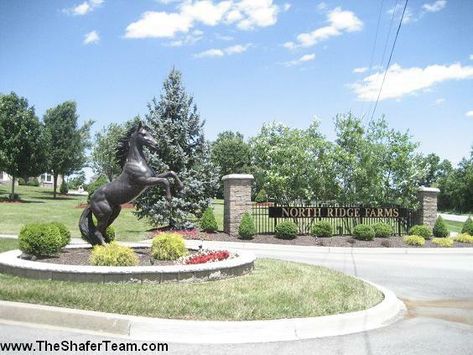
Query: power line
x=390 y=58
x=374 y=46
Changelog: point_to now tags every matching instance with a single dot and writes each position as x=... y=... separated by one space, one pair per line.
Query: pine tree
x=175 y=123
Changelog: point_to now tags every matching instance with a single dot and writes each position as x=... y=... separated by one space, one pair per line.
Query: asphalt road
x=437 y=289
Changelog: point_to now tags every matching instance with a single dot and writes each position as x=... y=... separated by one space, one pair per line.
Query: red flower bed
x=209 y=256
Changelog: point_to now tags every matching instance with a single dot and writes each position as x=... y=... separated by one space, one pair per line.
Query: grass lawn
x=39 y=206
x=454 y=226
x=274 y=290
x=8 y=244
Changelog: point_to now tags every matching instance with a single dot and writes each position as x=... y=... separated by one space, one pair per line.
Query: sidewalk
x=453 y=217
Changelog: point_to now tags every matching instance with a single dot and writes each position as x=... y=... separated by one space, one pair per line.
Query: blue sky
x=250 y=62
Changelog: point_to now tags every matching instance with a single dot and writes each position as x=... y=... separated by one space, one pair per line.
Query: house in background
x=45 y=180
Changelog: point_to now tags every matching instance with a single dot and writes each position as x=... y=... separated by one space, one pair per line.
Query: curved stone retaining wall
x=10 y=263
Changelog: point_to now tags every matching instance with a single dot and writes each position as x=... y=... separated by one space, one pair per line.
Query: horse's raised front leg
x=172 y=174
x=153 y=181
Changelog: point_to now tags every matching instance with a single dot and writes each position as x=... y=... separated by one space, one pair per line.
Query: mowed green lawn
x=38 y=205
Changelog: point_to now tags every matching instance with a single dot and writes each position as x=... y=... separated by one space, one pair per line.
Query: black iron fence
x=343 y=218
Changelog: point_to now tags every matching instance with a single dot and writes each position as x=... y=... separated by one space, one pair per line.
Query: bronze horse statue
x=135 y=178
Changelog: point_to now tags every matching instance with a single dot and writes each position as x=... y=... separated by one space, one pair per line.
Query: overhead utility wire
x=390 y=58
x=374 y=47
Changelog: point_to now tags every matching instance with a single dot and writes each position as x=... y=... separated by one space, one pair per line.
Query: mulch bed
x=337 y=241
x=81 y=256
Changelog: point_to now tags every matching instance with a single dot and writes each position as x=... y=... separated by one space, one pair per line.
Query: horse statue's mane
x=123 y=145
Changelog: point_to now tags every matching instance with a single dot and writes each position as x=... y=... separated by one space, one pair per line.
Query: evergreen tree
x=175 y=123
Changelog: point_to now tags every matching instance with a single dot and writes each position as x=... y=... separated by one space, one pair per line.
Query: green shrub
x=261 y=196
x=109 y=234
x=64 y=232
x=40 y=239
x=21 y=181
x=94 y=185
x=247 y=229
x=33 y=182
x=440 y=228
x=64 y=189
x=414 y=240
x=286 y=230
x=14 y=197
x=443 y=242
x=382 y=230
x=208 y=222
x=113 y=254
x=422 y=230
x=168 y=246
x=363 y=232
x=321 y=229
x=464 y=238
x=468 y=226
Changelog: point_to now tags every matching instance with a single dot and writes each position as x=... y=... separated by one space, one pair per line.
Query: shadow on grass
x=7 y=200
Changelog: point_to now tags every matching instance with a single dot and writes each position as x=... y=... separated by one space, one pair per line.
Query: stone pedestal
x=237 y=200
x=427 y=213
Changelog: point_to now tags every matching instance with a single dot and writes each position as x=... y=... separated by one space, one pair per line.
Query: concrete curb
x=209 y=332
x=322 y=250
x=241 y=264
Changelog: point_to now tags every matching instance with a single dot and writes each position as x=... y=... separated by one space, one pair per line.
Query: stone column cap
x=238 y=177
x=428 y=189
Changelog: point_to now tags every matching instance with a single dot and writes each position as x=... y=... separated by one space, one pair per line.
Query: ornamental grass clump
x=208 y=223
x=464 y=238
x=415 y=240
x=113 y=254
x=440 y=229
x=443 y=242
x=468 y=226
x=322 y=229
x=421 y=230
x=40 y=239
x=247 y=229
x=168 y=246
x=382 y=230
x=286 y=230
x=64 y=232
x=363 y=232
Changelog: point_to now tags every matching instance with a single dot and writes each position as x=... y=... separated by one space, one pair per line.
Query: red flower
x=209 y=256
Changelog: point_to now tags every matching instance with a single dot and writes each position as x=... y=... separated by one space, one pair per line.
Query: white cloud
x=435 y=6
x=469 y=113
x=84 y=8
x=321 y=6
x=216 y=52
x=340 y=21
x=471 y=56
x=91 y=38
x=304 y=59
x=439 y=101
x=189 y=39
x=158 y=24
x=403 y=81
x=286 y=7
x=360 y=70
x=408 y=14
x=245 y=14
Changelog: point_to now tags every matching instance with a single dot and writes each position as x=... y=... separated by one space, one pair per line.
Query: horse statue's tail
x=87 y=227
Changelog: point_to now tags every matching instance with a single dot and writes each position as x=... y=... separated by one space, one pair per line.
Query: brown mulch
x=80 y=256
x=337 y=241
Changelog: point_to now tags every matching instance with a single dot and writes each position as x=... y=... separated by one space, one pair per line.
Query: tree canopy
x=22 y=144
x=66 y=142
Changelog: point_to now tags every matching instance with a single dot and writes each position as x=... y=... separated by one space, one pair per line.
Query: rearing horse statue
x=135 y=178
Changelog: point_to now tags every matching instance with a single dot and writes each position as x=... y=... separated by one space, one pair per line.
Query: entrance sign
x=337 y=212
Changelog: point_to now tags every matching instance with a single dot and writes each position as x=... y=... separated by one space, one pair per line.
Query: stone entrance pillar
x=427 y=213
x=237 y=200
